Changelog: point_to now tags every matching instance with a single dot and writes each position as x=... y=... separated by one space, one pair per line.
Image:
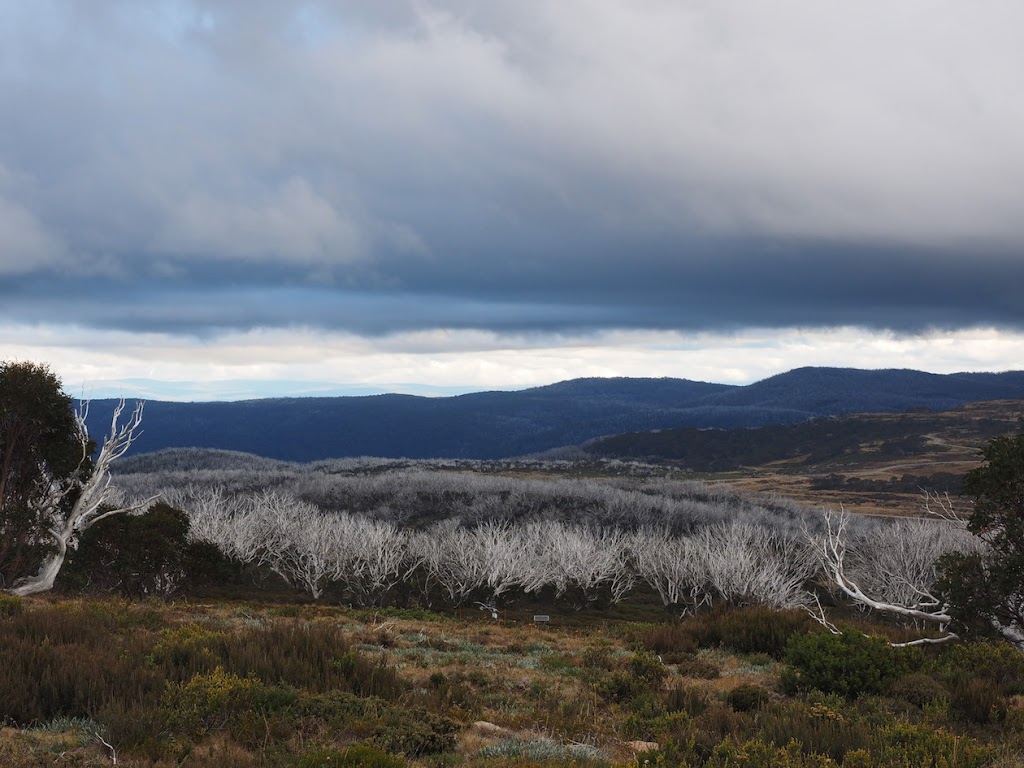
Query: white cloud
x=276 y=362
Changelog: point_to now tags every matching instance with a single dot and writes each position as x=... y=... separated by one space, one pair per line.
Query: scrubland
x=234 y=682
x=679 y=632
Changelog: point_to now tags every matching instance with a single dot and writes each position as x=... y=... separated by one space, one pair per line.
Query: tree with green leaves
x=53 y=483
x=143 y=556
x=985 y=591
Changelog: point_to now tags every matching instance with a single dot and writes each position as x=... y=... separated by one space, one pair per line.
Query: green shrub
x=647 y=669
x=398 y=729
x=759 y=754
x=823 y=724
x=691 y=699
x=996 y=662
x=597 y=657
x=919 y=689
x=645 y=672
x=617 y=686
x=699 y=667
x=358 y=756
x=732 y=753
x=905 y=744
x=414 y=732
x=211 y=701
x=139 y=555
x=189 y=647
x=849 y=664
x=746 y=697
x=644 y=712
x=898 y=745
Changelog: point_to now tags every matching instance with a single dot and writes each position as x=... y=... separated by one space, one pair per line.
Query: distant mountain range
x=492 y=425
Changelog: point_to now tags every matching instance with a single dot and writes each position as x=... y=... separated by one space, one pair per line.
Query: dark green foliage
x=753 y=753
x=358 y=756
x=39 y=443
x=996 y=662
x=691 y=699
x=848 y=664
x=897 y=745
x=699 y=667
x=919 y=689
x=647 y=669
x=997 y=488
x=645 y=672
x=747 y=698
x=414 y=732
x=140 y=555
x=397 y=728
x=983 y=590
x=980 y=677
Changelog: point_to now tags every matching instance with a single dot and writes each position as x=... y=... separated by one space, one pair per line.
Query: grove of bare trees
x=445 y=538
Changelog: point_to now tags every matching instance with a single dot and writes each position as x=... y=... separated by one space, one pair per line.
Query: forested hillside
x=490 y=425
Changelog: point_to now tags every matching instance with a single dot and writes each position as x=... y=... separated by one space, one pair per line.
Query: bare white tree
x=672 y=565
x=900 y=574
x=297 y=541
x=748 y=563
x=897 y=562
x=379 y=550
x=575 y=556
x=93 y=497
x=503 y=555
x=448 y=559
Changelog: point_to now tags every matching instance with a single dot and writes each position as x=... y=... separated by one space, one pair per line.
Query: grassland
x=874 y=464
x=236 y=682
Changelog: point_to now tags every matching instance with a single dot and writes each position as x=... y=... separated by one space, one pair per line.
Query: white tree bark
x=755 y=564
x=924 y=606
x=671 y=565
x=503 y=555
x=449 y=558
x=93 y=494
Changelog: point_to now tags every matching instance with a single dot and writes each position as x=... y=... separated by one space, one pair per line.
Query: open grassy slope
x=870 y=463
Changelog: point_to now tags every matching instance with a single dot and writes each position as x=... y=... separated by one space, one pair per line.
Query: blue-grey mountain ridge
x=494 y=425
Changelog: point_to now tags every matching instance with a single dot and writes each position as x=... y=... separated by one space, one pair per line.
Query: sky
x=219 y=199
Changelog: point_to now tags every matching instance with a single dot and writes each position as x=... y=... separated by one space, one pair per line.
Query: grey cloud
x=380 y=166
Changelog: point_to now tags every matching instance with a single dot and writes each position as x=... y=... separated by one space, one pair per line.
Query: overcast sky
x=228 y=198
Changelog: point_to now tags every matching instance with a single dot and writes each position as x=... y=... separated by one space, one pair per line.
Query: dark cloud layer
x=200 y=165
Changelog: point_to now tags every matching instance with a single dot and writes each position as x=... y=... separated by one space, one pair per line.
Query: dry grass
x=244 y=684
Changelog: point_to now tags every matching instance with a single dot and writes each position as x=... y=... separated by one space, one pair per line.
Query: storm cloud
x=209 y=166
